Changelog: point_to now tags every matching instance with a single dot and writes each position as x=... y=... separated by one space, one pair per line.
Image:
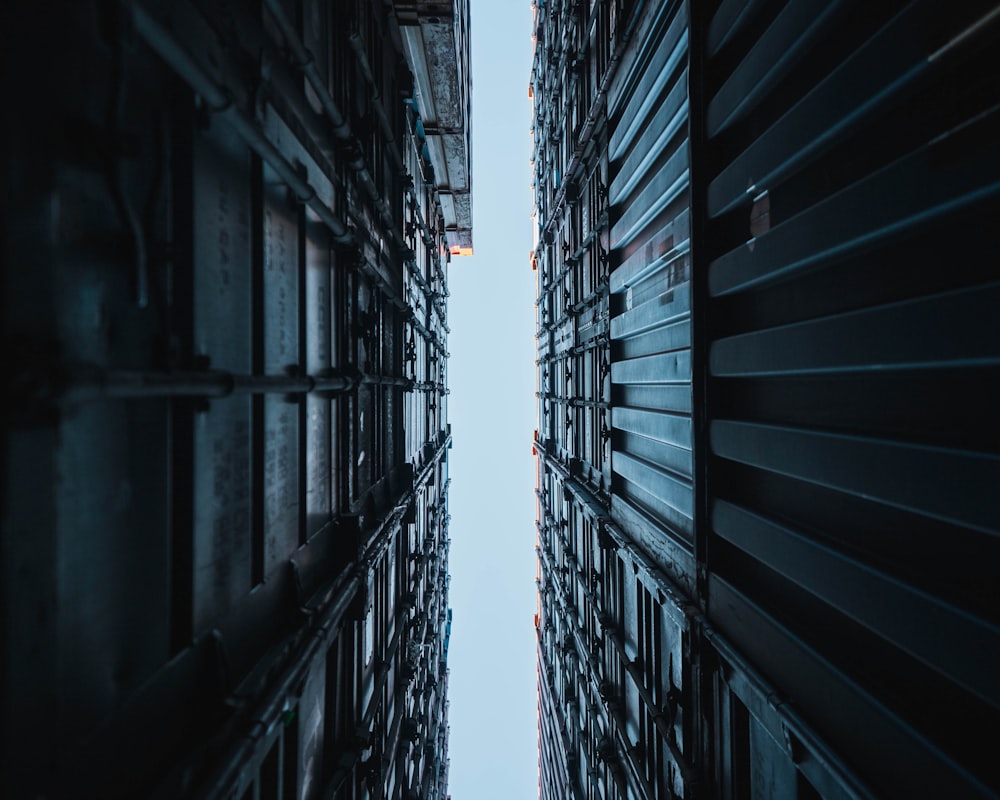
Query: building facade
x=767 y=370
x=226 y=238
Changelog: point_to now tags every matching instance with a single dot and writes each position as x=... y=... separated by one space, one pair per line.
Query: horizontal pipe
x=428 y=386
x=386 y=380
x=572 y=401
x=82 y=385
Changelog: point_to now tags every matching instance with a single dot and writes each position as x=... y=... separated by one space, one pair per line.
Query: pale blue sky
x=493 y=744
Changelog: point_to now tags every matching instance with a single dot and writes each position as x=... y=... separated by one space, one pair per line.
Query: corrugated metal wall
x=615 y=440
x=852 y=190
x=225 y=527
x=650 y=291
x=773 y=574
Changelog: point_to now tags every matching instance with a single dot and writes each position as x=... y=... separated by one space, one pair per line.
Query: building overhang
x=436 y=41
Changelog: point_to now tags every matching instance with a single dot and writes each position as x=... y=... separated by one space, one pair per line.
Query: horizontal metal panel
x=669 y=244
x=907 y=335
x=658 y=340
x=774 y=53
x=839 y=402
x=934 y=181
x=663 y=397
x=663 y=188
x=950 y=485
x=729 y=19
x=886 y=750
x=667 y=308
x=670 y=54
x=669 y=489
x=886 y=67
x=675 y=458
x=904 y=544
x=668 y=428
x=663 y=368
x=944 y=637
x=670 y=117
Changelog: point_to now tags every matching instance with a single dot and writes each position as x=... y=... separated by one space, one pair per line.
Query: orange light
x=461 y=251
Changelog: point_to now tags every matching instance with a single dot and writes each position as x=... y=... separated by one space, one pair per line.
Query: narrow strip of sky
x=492 y=684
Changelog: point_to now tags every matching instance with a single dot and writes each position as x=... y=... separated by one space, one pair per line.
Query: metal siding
x=851 y=165
x=615 y=433
x=220 y=470
x=320 y=426
x=797 y=214
x=202 y=293
x=650 y=299
x=280 y=329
